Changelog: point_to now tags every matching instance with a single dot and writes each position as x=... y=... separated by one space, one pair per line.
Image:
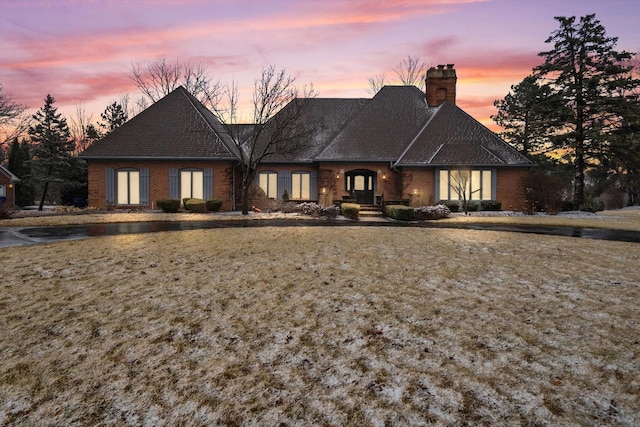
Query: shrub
x=453 y=205
x=350 y=210
x=491 y=205
x=285 y=196
x=6 y=211
x=400 y=212
x=472 y=206
x=544 y=191
x=315 y=210
x=195 y=205
x=592 y=205
x=431 y=212
x=169 y=205
x=213 y=205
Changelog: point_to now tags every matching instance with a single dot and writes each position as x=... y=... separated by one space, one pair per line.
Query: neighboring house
x=399 y=145
x=8 y=183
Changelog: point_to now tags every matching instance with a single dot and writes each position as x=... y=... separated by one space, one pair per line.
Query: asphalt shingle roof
x=382 y=129
x=452 y=137
x=177 y=126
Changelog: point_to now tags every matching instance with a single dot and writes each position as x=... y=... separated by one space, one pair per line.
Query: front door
x=360 y=184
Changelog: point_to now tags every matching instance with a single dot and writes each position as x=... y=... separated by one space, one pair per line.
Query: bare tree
x=161 y=77
x=83 y=132
x=376 y=83
x=460 y=184
x=14 y=120
x=411 y=71
x=277 y=128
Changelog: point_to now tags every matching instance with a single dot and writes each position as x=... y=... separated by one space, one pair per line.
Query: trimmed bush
x=431 y=212
x=399 y=212
x=213 y=205
x=195 y=205
x=472 y=206
x=350 y=210
x=453 y=205
x=169 y=205
x=491 y=205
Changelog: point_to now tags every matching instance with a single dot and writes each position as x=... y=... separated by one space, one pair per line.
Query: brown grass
x=320 y=326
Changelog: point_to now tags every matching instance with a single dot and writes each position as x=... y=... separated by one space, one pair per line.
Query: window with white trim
x=300 y=186
x=3 y=190
x=269 y=184
x=128 y=187
x=191 y=184
x=475 y=184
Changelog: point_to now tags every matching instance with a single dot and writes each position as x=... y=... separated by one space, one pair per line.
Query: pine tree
x=20 y=165
x=113 y=117
x=52 y=147
x=524 y=116
x=589 y=76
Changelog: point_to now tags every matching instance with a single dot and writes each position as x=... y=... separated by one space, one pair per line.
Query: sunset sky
x=81 y=51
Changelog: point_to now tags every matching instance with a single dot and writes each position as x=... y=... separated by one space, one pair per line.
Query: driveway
x=19 y=236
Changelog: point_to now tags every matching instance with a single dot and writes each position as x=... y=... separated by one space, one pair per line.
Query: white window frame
x=300 y=186
x=3 y=190
x=127 y=187
x=191 y=184
x=268 y=181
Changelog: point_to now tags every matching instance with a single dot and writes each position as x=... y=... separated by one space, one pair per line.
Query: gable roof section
x=453 y=138
x=382 y=129
x=12 y=177
x=318 y=123
x=176 y=126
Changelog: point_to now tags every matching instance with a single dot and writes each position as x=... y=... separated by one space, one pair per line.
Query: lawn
x=321 y=326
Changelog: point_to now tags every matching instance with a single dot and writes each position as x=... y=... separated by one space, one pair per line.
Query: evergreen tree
x=590 y=77
x=524 y=116
x=20 y=165
x=113 y=117
x=52 y=147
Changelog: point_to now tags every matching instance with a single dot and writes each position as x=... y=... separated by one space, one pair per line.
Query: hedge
x=399 y=212
x=213 y=205
x=195 y=205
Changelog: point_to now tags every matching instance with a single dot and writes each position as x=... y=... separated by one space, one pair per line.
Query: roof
x=319 y=121
x=383 y=127
x=453 y=138
x=176 y=126
x=12 y=177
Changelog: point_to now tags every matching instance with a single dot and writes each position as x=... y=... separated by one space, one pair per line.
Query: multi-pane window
x=128 y=187
x=269 y=184
x=191 y=184
x=466 y=184
x=300 y=186
x=3 y=190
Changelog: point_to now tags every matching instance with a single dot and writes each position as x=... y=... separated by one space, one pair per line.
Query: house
x=402 y=144
x=7 y=188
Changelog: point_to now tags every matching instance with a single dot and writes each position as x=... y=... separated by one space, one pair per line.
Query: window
x=3 y=190
x=472 y=184
x=128 y=187
x=191 y=184
x=269 y=184
x=300 y=186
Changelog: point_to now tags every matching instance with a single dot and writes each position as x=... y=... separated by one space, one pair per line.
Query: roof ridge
x=415 y=138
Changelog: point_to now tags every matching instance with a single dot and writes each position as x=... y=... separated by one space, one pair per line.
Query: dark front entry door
x=360 y=183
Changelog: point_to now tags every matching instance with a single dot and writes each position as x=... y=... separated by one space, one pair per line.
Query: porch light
x=10 y=185
x=415 y=191
x=384 y=176
x=337 y=175
x=324 y=190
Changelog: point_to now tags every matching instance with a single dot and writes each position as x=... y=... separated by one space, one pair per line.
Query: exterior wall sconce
x=324 y=190
x=10 y=185
x=384 y=176
x=337 y=175
x=415 y=191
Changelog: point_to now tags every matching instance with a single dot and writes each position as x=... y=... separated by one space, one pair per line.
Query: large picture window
x=300 y=186
x=269 y=184
x=128 y=187
x=191 y=184
x=466 y=184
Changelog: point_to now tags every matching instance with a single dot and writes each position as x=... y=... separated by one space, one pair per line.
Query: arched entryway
x=361 y=184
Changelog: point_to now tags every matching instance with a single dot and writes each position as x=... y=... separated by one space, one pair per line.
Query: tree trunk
x=44 y=195
x=244 y=202
x=578 y=183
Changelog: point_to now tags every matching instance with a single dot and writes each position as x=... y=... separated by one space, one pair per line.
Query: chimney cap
x=450 y=66
x=440 y=66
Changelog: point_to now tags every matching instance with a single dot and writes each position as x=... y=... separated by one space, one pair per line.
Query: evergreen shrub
x=491 y=205
x=168 y=205
x=195 y=205
x=399 y=212
x=350 y=210
x=213 y=205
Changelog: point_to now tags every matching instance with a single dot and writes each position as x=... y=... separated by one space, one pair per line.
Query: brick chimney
x=441 y=85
